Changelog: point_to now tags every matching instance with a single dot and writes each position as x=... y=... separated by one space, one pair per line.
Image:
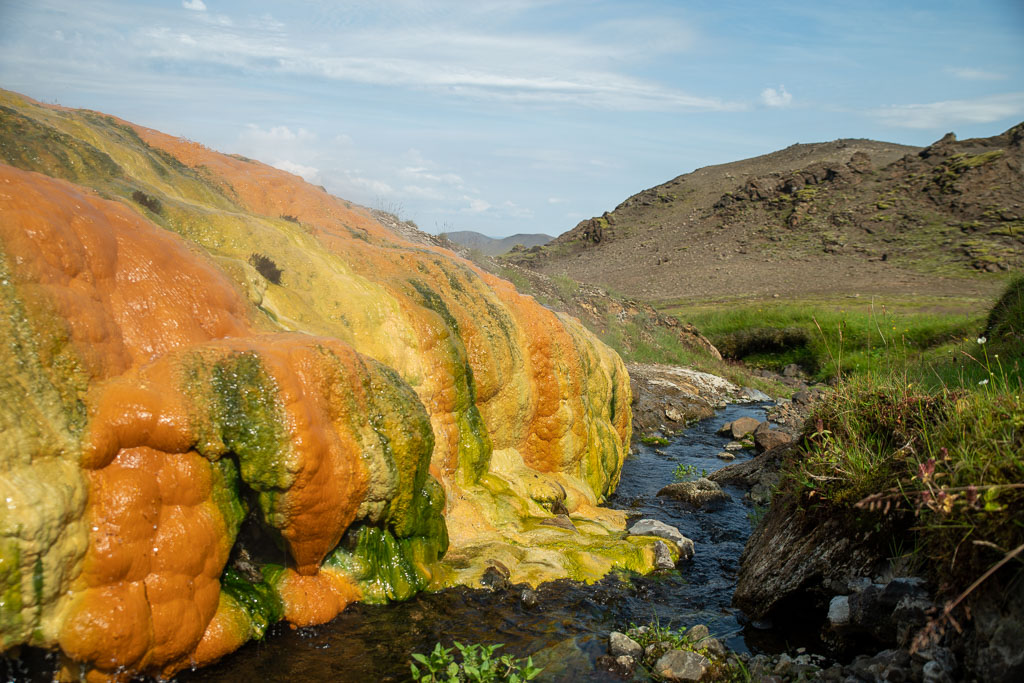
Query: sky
x=520 y=116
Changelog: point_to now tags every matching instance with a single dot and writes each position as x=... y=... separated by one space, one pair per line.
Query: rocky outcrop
x=668 y=398
x=231 y=398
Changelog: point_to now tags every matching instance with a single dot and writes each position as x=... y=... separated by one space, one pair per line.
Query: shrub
x=266 y=267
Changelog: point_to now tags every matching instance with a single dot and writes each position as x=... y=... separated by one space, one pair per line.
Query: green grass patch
x=828 y=339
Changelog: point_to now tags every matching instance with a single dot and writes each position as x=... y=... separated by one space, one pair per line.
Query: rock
x=806 y=397
x=742 y=426
x=652 y=527
x=620 y=666
x=792 y=370
x=756 y=395
x=528 y=598
x=771 y=438
x=696 y=634
x=674 y=415
x=496 y=577
x=663 y=556
x=698 y=493
x=793 y=556
x=559 y=522
x=620 y=644
x=681 y=665
x=734 y=446
x=839 y=611
x=726 y=455
x=714 y=647
x=725 y=429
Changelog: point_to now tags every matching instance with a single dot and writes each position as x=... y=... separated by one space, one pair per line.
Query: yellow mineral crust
x=161 y=386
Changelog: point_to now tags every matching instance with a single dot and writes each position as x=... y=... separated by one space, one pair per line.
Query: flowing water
x=568 y=627
x=566 y=630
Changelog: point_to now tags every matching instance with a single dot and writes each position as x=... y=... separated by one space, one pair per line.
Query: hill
x=492 y=246
x=825 y=219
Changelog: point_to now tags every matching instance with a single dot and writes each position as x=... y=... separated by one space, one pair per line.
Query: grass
x=927 y=454
x=639 y=343
x=831 y=339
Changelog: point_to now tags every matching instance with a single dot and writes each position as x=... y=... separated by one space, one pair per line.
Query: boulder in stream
x=698 y=493
x=653 y=527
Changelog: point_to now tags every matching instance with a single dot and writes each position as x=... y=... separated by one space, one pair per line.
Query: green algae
x=226 y=493
x=260 y=600
x=11 y=620
x=238 y=412
x=387 y=568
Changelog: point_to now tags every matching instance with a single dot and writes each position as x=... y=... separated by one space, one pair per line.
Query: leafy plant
x=652 y=440
x=684 y=472
x=479 y=665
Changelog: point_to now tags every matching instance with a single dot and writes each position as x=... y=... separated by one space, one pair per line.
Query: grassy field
x=934 y=341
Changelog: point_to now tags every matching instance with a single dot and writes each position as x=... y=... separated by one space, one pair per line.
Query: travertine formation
x=228 y=398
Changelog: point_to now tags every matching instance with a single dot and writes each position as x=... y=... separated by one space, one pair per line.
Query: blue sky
x=520 y=115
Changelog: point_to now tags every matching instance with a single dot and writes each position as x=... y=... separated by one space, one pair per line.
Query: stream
x=567 y=628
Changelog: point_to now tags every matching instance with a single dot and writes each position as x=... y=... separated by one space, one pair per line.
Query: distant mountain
x=843 y=217
x=492 y=246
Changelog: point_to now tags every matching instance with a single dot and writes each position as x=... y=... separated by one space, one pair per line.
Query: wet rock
x=734 y=446
x=528 y=598
x=620 y=644
x=699 y=493
x=674 y=415
x=620 y=666
x=496 y=577
x=739 y=427
x=681 y=665
x=663 y=556
x=726 y=455
x=653 y=527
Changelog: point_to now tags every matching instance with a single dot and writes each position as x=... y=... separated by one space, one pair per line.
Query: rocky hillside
x=492 y=246
x=230 y=398
x=850 y=216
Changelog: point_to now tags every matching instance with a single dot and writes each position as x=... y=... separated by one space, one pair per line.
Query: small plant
x=290 y=218
x=478 y=664
x=266 y=267
x=651 y=440
x=684 y=472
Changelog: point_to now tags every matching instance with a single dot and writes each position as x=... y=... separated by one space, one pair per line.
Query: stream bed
x=567 y=629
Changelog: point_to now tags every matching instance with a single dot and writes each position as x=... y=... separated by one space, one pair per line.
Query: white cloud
x=776 y=98
x=552 y=70
x=476 y=205
x=969 y=74
x=307 y=173
x=942 y=115
x=276 y=134
x=194 y=5
x=555 y=200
